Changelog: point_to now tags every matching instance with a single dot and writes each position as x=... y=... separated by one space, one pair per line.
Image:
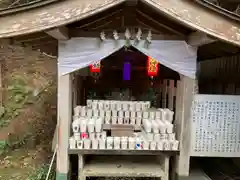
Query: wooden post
x=64 y=121
x=1 y=85
x=81 y=162
x=185 y=94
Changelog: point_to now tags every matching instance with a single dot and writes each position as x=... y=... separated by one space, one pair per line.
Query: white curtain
x=78 y=53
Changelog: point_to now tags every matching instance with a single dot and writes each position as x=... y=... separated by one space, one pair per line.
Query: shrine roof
x=62 y=13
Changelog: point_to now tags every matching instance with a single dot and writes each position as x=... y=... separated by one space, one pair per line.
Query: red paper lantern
x=152 y=67
x=95 y=67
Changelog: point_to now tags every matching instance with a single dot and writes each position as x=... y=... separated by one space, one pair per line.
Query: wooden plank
x=123 y=166
x=182 y=122
x=64 y=122
x=171 y=94
x=121 y=152
x=1 y=84
x=164 y=93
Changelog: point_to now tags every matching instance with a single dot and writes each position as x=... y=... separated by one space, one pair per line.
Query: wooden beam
x=199 y=38
x=109 y=34
x=1 y=85
x=64 y=123
x=131 y=2
x=60 y=33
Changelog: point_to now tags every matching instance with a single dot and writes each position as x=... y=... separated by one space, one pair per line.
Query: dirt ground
x=28 y=124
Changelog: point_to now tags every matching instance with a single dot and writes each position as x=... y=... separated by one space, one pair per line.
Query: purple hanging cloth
x=126 y=71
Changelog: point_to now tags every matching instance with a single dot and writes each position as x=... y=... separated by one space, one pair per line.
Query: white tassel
x=102 y=36
x=139 y=34
x=115 y=35
x=127 y=34
x=149 y=36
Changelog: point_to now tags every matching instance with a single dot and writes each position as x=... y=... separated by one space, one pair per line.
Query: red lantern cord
x=152 y=67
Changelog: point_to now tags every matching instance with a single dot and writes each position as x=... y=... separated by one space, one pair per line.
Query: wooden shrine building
x=51 y=25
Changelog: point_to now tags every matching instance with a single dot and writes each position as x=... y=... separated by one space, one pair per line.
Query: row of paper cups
x=123 y=143
x=161 y=114
x=94 y=135
x=157 y=126
x=118 y=105
x=84 y=124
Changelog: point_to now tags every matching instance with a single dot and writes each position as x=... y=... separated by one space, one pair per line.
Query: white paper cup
x=132 y=120
x=139 y=144
x=131 y=143
x=72 y=143
x=132 y=106
x=146 y=145
x=83 y=112
x=114 y=120
x=92 y=136
x=120 y=114
x=102 y=113
x=124 y=143
x=138 y=121
x=98 y=135
x=98 y=124
x=120 y=120
x=166 y=145
x=117 y=142
x=114 y=113
x=89 y=103
x=83 y=125
x=175 y=145
x=138 y=106
x=106 y=105
x=108 y=113
x=152 y=115
x=158 y=114
x=153 y=145
x=77 y=110
x=80 y=144
x=94 y=105
x=163 y=137
x=172 y=137
x=126 y=120
x=104 y=134
x=139 y=114
x=87 y=143
x=155 y=127
x=76 y=126
x=100 y=105
x=145 y=114
x=156 y=137
x=132 y=114
x=119 y=106
x=127 y=114
x=160 y=145
x=107 y=120
x=94 y=144
x=89 y=113
x=113 y=105
x=109 y=142
x=102 y=144
x=96 y=113
x=91 y=126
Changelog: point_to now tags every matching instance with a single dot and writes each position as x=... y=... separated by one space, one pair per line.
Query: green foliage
x=18 y=94
x=3 y=146
x=41 y=173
